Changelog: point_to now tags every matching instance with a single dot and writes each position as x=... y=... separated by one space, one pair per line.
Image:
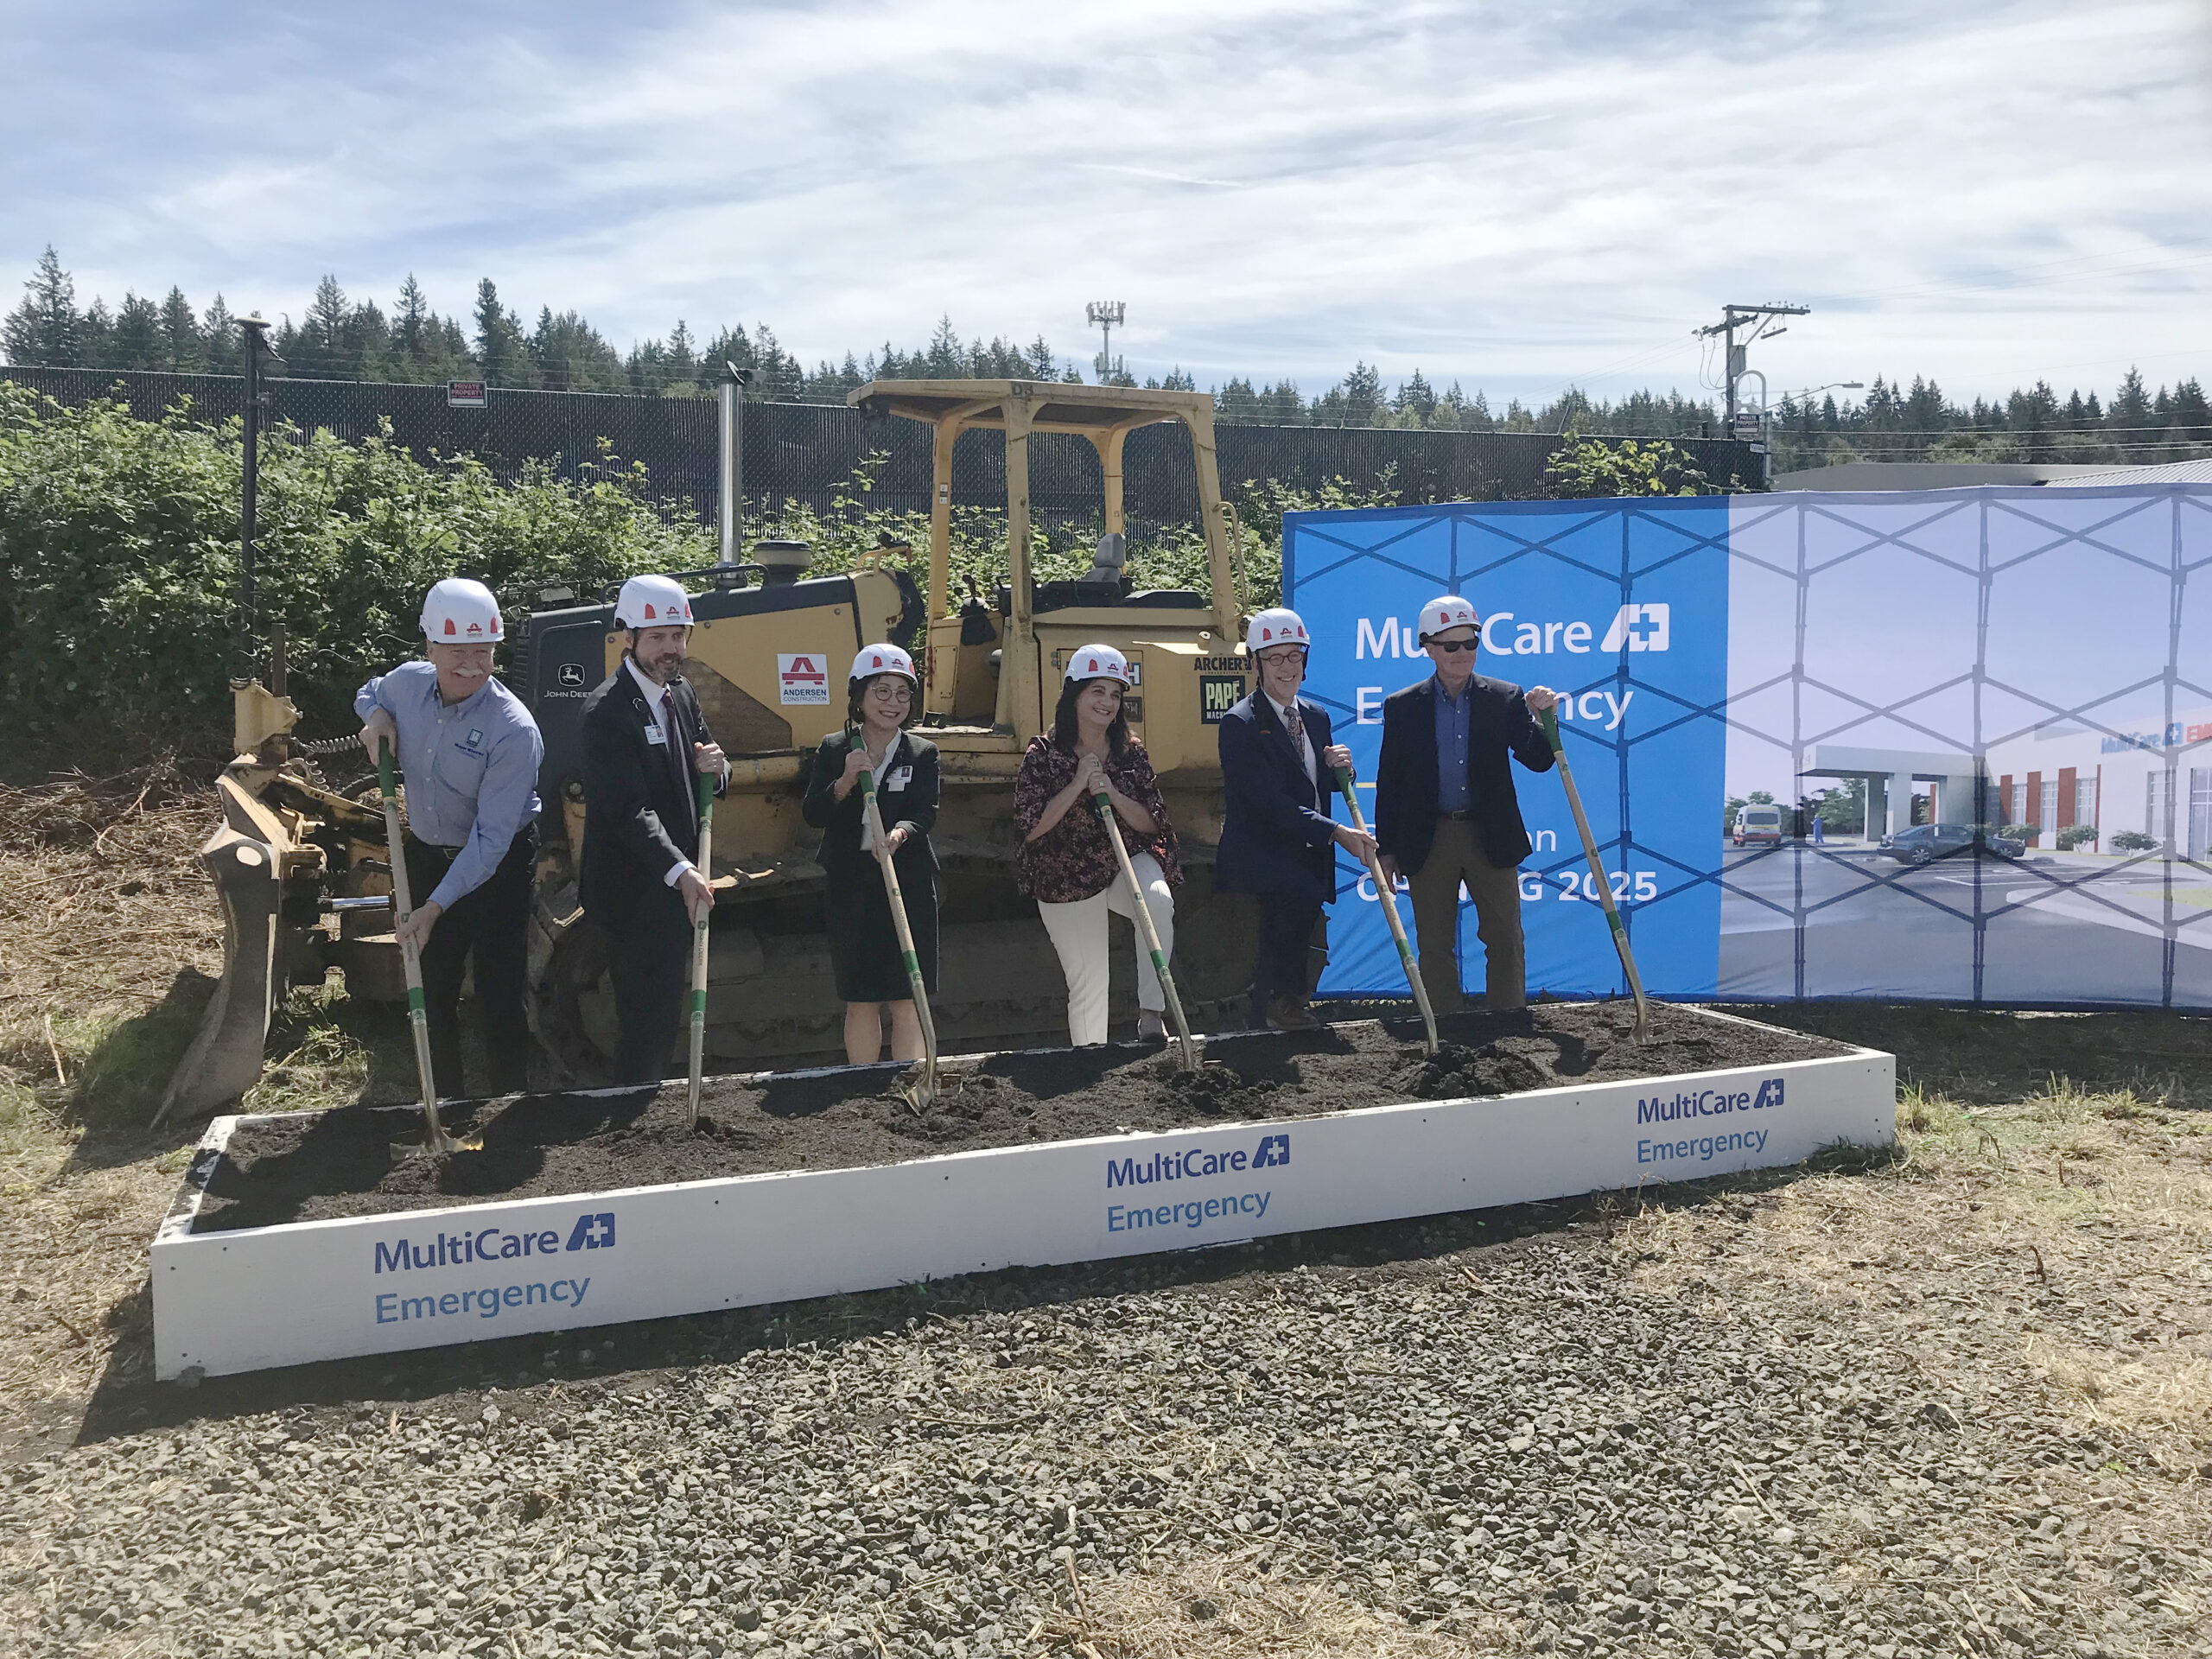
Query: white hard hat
x=1276 y=627
x=885 y=658
x=653 y=603
x=459 y=611
x=1445 y=611
x=1098 y=662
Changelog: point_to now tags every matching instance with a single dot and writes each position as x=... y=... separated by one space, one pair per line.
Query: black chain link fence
x=808 y=453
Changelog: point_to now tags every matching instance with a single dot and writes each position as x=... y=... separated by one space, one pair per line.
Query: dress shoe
x=1292 y=1013
x=1152 y=1026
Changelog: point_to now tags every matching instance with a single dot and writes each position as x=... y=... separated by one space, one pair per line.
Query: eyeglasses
x=1450 y=646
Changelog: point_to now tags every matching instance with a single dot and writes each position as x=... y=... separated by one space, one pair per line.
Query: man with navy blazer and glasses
x=1278 y=773
x=1445 y=813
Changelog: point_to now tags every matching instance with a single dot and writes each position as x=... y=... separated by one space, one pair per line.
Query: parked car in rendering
x=1926 y=842
x=1762 y=823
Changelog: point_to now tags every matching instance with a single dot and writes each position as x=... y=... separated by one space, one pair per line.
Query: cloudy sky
x=1515 y=195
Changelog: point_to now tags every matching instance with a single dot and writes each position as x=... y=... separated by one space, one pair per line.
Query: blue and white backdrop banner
x=2002 y=696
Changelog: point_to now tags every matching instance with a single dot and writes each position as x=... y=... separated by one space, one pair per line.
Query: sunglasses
x=1453 y=647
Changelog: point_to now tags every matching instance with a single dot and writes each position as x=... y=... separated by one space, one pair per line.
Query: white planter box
x=314 y=1290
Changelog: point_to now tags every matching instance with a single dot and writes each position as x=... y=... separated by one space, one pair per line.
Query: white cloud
x=1511 y=196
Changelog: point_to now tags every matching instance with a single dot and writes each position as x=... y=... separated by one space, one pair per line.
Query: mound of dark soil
x=348 y=1163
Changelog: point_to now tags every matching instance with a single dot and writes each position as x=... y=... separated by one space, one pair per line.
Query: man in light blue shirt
x=471 y=753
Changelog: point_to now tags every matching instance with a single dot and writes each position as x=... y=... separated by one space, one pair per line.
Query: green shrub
x=1585 y=468
x=2132 y=841
x=119 y=564
x=2077 y=835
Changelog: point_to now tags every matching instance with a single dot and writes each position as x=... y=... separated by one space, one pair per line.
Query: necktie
x=669 y=728
x=1294 y=723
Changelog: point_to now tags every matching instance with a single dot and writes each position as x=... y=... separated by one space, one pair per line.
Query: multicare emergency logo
x=1194 y=1164
x=1703 y=1148
x=487 y=1250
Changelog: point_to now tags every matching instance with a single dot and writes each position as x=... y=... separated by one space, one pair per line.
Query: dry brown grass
x=1227 y=1607
x=2077 y=1221
x=102 y=905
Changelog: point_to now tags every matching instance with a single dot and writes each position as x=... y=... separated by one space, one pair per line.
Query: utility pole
x=1104 y=315
x=1759 y=320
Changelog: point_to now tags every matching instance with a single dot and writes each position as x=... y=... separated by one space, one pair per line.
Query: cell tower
x=1105 y=315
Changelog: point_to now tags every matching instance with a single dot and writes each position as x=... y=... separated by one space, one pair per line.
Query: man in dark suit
x=1444 y=808
x=643 y=740
x=1278 y=779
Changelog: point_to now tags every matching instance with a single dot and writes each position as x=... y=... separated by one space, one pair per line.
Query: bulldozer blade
x=225 y=1056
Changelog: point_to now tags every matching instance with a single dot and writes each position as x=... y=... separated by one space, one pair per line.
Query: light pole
x=1103 y=315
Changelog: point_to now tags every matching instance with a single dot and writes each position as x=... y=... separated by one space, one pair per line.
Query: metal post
x=730 y=506
x=242 y=663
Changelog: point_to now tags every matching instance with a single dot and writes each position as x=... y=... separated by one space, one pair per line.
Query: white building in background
x=2065 y=772
x=2061 y=774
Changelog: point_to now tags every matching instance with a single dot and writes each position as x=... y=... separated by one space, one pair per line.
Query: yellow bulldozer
x=303 y=869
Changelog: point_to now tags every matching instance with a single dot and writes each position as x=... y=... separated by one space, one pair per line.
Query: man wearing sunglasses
x=1444 y=808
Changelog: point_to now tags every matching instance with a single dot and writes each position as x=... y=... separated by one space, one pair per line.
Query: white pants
x=1078 y=933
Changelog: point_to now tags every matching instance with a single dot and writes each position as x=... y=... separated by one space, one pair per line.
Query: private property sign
x=304 y=1291
x=465 y=394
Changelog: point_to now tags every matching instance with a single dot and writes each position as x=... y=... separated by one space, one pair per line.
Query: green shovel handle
x=1550 y=721
x=384 y=768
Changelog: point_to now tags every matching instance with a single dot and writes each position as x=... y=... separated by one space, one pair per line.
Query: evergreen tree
x=573 y=356
x=136 y=342
x=500 y=348
x=183 y=350
x=944 y=356
x=365 y=348
x=683 y=365
x=220 y=344
x=1416 y=398
x=96 y=336
x=2130 y=409
x=321 y=345
x=45 y=329
x=411 y=326
x=2189 y=420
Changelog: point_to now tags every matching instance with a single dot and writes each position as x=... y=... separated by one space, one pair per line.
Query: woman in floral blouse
x=1067 y=864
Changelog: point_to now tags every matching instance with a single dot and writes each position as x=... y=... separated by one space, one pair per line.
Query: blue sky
x=1514 y=194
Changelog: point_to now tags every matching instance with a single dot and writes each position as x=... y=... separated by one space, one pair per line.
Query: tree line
x=342 y=337
x=1894 y=422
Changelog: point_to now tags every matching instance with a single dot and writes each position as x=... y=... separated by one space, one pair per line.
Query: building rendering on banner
x=2065 y=774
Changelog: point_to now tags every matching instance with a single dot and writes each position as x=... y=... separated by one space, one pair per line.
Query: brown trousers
x=1456 y=856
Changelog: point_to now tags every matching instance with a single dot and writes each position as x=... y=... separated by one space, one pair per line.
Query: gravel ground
x=1959 y=1403
x=1820 y=1412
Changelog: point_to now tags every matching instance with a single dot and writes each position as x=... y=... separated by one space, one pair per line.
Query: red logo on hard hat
x=495 y=627
x=449 y=626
